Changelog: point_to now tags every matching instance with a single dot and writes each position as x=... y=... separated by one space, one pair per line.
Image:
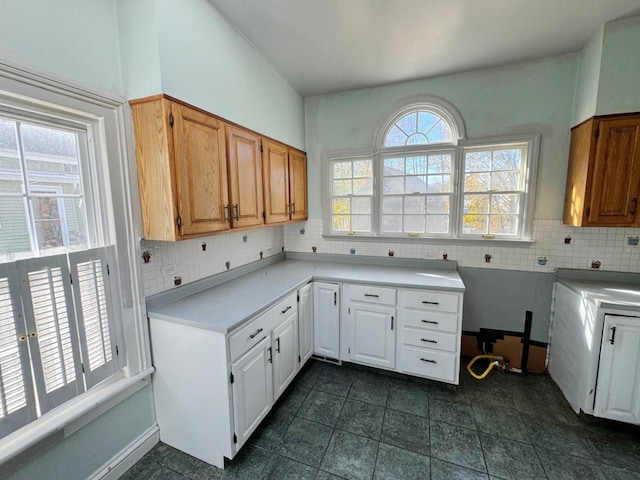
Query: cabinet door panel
x=618 y=390
x=252 y=389
x=275 y=173
x=305 y=323
x=285 y=354
x=373 y=338
x=616 y=178
x=200 y=169
x=298 y=184
x=245 y=177
x=326 y=319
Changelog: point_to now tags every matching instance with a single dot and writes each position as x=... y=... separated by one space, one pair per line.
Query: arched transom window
x=420 y=127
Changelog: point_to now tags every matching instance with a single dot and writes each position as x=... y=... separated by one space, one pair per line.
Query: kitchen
x=123 y=50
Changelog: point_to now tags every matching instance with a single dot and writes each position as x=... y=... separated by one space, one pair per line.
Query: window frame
x=458 y=147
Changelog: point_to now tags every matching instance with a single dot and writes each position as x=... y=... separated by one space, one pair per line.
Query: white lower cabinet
x=618 y=387
x=305 y=322
x=252 y=389
x=326 y=319
x=285 y=353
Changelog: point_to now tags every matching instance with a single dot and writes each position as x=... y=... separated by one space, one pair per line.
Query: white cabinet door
x=373 y=335
x=252 y=389
x=285 y=353
x=618 y=391
x=326 y=319
x=305 y=323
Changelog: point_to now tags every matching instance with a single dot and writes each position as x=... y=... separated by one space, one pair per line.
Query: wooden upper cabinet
x=182 y=169
x=603 y=180
x=298 y=184
x=275 y=173
x=245 y=177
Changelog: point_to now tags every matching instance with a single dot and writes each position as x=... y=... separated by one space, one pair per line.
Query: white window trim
x=20 y=85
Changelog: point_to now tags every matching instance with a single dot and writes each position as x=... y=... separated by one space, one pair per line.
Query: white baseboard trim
x=124 y=459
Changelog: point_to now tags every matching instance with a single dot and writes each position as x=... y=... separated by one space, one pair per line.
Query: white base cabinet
x=326 y=319
x=305 y=322
x=285 y=353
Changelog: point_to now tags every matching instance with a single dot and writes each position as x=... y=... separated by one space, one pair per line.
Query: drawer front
x=443 y=322
x=371 y=294
x=447 y=342
x=249 y=334
x=429 y=363
x=431 y=300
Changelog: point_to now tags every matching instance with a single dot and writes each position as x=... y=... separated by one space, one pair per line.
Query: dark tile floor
x=343 y=422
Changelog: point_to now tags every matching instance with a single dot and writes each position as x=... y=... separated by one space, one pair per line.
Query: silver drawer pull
x=427 y=360
x=433 y=322
x=286 y=309
x=430 y=303
x=429 y=341
x=254 y=335
x=371 y=295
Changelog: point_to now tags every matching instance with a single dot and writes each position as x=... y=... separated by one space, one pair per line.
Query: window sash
x=352 y=214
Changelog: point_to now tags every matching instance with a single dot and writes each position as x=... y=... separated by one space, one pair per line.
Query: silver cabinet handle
x=427 y=360
x=227 y=213
x=254 y=335
x=433 y=322
x=428 y=341
x=430 y=303
x=371 y=295
x=286 y=310
x=237 y=210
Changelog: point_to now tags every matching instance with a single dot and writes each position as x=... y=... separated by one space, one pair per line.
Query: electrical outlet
x=169 y=270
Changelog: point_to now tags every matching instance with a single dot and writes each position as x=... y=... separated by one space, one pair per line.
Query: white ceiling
x=324 y=46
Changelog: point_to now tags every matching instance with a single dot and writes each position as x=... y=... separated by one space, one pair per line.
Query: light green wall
x=81 y=454
x=588 y=79
x=71 y=39
x=619 y=90
x=533 y=97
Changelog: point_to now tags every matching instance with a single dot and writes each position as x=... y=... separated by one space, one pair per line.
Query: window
x=426 y=181
x=57 y=316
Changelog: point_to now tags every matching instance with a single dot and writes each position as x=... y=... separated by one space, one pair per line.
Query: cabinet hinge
x=235 y=438
x=171 y=119
x=264 y=215
x=179 y=221
x=299 y=359
x=231 y=379
x=588 y=211
x=349 y=349
x=117 y=351
x=82 y=367
x=108 y=271
x=71 y=278
x=261 y=150
x=597 y=132
x=298 y=297
x=349 y=310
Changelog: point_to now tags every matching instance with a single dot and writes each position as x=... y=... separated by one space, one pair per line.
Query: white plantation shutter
x=17 y=405
x=92 y=295
x=48 y=308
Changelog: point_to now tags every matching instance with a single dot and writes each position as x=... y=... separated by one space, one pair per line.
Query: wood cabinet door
x=373 y=335
x=200 y=170
x=616 y=173
x=252 y=389
x=285 y=353
x=326 y=319
x=245 y=177
x=305 y=323
x=618 y=390
x=275 y=174
x=298 y=184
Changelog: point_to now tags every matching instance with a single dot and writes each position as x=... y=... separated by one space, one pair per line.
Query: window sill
x=431 y=240
x=29 y=441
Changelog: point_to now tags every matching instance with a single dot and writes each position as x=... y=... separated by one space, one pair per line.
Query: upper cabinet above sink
x=603 y=180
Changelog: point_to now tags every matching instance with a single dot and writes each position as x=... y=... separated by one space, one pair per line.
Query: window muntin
x=351 y=195
x=493 y=190
x=416 y=193
x=419 y=127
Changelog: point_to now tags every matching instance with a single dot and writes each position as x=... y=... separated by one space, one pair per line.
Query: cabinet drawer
x=429 y=363
x=444 y=322
x=447 y=342
x=371 y=294
x=249 y=334
x=430 y=300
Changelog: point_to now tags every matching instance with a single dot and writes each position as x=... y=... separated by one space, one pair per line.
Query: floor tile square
x=447 y=471
x=310 y=373
x=451 y=412
x=406 y=431
x=271 y=433
x=362 y=419
x=334 y=380
x=321 y=407
x=567 y=467
x=395 y=463
x=409 y=397
x=502 y=422
x=282 y=468
x=370 y=388
x=457 y=445
x=350 y=456
x=292 y=399
x=511 y=460
x=305 y=441
x=615 y=473
x=547 y=432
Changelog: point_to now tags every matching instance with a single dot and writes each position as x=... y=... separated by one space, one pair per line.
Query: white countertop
x=622 y=296
x=226 y=306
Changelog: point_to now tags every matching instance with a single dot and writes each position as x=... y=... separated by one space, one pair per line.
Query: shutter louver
x=92 y=295
x=17 y=407
x=49 y=312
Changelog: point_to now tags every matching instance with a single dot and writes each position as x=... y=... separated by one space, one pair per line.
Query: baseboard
x=124 y=459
